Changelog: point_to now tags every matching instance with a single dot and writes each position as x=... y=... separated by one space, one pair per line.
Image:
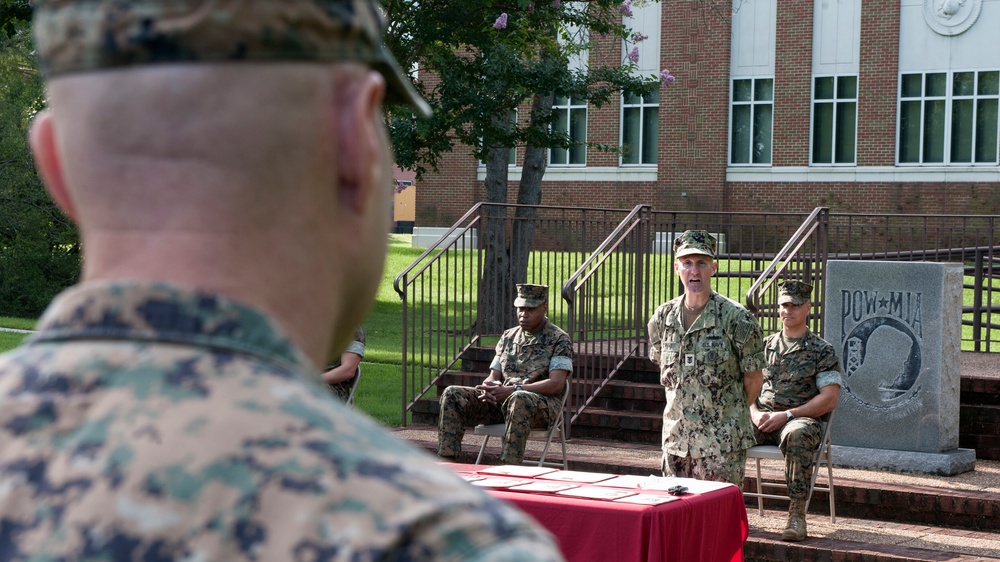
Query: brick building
x=874 y=106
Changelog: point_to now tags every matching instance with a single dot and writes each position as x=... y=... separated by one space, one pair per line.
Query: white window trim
x=835 y=100
x=949 y=99
x=638 y=174
x=642 y=105
x=751 y=103
x=864 y=174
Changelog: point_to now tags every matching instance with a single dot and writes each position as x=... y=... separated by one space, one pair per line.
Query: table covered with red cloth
x=709 y=527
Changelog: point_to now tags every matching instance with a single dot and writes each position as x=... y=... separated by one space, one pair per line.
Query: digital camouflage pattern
x=695 y=242
x=521 y=358
x=727 y=467
x=342 y=389
x=794 y=371
x=531 y=296
x=702 y=373
x=795 y=292
x=82 y=35
x=147 y=422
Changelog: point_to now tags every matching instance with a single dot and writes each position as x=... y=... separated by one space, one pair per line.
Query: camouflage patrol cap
x=530 y=296
x=83 y=35
x=694 y=242
x=795 y=292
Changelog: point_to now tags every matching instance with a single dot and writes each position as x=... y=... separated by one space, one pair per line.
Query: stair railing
x=604 y=306
x=803 y=257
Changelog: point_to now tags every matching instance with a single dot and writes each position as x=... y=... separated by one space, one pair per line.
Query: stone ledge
x=943 y=464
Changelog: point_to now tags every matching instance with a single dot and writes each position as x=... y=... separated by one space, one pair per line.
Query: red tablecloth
x=709 y=527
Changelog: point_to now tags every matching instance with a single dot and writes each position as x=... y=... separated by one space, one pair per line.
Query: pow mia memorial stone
x=897 y=329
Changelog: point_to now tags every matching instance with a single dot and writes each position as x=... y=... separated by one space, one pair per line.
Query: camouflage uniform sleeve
x=655 y=332
x=749 y=340
x=497 y=364
x=357 y=346
x=562 y=353
x=828 y=367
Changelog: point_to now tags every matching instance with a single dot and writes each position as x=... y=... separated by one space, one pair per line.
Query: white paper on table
x=594 y=493
x=493 y=482
x=647 y=499
x=546 y=487
x=696 y=486
x=626 y=481
x=576 y=476
x=517 y=470
x=663 y=483
x=469 y=477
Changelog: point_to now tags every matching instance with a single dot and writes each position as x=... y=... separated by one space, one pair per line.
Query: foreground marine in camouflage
x=710 y=353
x=801 y=384
x=524 y=389
x=232 y=216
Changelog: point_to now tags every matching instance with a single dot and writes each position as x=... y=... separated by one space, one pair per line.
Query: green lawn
x=379 y=392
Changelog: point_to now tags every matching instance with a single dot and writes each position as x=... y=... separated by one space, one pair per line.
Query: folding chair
x=821 y=456
x=354 y=386
x=557 y=429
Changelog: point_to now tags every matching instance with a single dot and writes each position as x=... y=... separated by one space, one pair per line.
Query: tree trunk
x=496 y=312
x=530 y=193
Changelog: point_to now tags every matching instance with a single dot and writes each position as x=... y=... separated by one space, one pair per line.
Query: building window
x=640 y=116
x=753 y=106
x=570 y=119
x=835 y=111
x=949 y=118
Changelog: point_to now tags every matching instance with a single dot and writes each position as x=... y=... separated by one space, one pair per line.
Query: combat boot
x=795 y=530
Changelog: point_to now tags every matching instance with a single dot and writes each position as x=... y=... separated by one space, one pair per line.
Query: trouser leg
x=798 y=442
x=460 y=408
x=727 y=467
x=523 y=411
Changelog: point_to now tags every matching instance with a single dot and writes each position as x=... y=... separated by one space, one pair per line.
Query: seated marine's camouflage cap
x=694 y=242
x=530 y=296
x=82 y=35
x=795 y=292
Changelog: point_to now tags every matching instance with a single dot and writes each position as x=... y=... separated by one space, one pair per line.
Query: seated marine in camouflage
x=340 y=374
x=525 y=387
x=801 y=384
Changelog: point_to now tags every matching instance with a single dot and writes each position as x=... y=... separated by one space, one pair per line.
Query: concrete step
x=860 y=540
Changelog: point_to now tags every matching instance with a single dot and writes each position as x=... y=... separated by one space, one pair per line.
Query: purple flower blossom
x=638 y=37
x=633 y=55
x=626 y=8
x=555 y=3
x=501 y=22
x=666 y=78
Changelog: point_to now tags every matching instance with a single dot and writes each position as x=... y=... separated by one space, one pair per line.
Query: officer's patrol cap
x=88 y=35
x=530 y=296
x=795 y=292
x=694 y=242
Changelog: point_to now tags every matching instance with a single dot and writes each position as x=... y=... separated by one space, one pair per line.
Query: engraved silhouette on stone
x=882 y=360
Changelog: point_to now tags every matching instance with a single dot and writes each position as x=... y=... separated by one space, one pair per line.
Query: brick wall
x=694 y=112
x=877 y=78
x=792 y=83
x=694 y=129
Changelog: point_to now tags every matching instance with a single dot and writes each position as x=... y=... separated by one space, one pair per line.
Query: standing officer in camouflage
x=801 y=384
x=228 y=167
x=525 y=386
x=710 y=353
